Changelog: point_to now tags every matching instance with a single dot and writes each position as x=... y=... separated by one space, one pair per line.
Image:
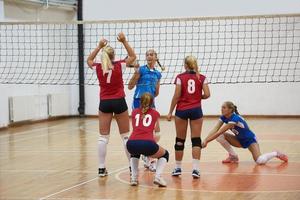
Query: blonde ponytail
x=146 y=103
x=191 y=63
x=106 y=59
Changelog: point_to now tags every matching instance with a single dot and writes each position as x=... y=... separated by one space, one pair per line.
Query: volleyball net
x=244 y=49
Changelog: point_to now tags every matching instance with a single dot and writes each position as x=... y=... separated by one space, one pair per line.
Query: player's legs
x=163 y=157
x=262 y=159
x=196 y=128
x=104 y=130
x=181 y=130
x=227 y=140
x=123 y=125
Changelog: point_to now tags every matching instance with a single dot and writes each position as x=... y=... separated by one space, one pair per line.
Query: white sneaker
x=160 y=181
x=134 y=181
x=152 y=166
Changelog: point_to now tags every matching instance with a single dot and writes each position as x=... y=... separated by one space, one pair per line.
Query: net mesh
x=254 y=49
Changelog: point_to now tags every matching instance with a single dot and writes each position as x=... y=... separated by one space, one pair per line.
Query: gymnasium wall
x=10 y=11
x=252 y=99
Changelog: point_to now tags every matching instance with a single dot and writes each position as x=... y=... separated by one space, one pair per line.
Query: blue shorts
x=142 y=147
x=192 y=114
x=137 y=103
x=246 y=142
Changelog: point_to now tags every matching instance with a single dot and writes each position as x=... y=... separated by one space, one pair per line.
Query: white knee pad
x=103 y=138
x=261 y=160
x=221 y=138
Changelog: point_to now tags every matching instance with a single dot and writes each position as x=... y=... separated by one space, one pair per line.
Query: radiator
x=58 y=105
x=23 y=108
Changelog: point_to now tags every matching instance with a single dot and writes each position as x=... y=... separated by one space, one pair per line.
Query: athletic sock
x=134 y=164
x=161 y=163
x=178 y=164
x=221 y=139
x=264 y=158
x=102 y=144
x=125 y=137
x=196 y=164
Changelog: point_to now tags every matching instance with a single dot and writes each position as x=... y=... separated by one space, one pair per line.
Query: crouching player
x=243 y=137
x=141 y=141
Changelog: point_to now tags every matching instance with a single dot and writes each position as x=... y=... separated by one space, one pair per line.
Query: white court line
x=117 y=176
x=79 y=184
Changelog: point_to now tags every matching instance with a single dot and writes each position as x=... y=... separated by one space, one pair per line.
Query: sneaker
x=196 y=174
x=146 y=161
x=134 y=181
x=102 y=172
x=231 y=159
x=282 y=156
x=152 y=166
x=160 y=181
x=176 y=172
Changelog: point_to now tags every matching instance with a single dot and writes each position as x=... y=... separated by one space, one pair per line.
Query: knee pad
x=179 y=144
x=166 y=155
x=261 y=160
x=103 y=138
x=221 y=138
x=135 y=156
x=196 y=142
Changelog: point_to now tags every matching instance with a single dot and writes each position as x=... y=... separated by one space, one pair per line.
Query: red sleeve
x=175 y=81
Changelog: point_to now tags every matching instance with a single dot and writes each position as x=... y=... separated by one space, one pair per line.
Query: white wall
x=252 y=99
x=19 y=12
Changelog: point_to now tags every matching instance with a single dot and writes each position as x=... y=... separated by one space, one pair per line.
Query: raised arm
x=218 y=130
x=206 y=91
x=175 y=99
x=131 y=54
x=92 y=56
x=134 y=79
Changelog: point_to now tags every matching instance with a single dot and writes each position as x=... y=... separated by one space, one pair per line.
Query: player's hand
x=169 y=117
x=121 y=37
x=103 y=42
x=204 y=144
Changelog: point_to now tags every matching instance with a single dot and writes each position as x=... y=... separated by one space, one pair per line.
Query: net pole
x=81 y=108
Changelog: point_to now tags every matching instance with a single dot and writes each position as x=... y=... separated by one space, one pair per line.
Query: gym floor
x=58 y=160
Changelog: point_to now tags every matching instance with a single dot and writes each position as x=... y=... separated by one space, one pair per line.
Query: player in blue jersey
x=147 y=80
x=242 y=137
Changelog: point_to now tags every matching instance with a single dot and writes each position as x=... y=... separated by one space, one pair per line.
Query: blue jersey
x=147 y=81
x=241 y=128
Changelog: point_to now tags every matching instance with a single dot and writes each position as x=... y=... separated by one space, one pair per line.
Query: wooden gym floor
x=58 y=160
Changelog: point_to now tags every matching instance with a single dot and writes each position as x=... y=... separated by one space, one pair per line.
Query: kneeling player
x=141 y=141
x=243 y=137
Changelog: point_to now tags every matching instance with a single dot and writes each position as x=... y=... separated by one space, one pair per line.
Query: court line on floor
x=117 y=176
x=82 y=183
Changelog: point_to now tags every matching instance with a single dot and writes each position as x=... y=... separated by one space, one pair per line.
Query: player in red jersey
x=112 y=95
x=142 y=142
x=191 y=88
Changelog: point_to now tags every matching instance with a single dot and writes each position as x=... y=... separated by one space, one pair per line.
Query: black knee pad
x=196 y=142
x=135 y=156
x=179 y=144
x=166 y=156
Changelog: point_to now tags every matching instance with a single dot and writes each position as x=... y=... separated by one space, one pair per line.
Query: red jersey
x=111 y=84
x=191 y=90
x=143 y=127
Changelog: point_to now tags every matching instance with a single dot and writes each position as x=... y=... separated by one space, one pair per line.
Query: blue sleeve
x=234 y=119
x=222 y=119
x=142 y=70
